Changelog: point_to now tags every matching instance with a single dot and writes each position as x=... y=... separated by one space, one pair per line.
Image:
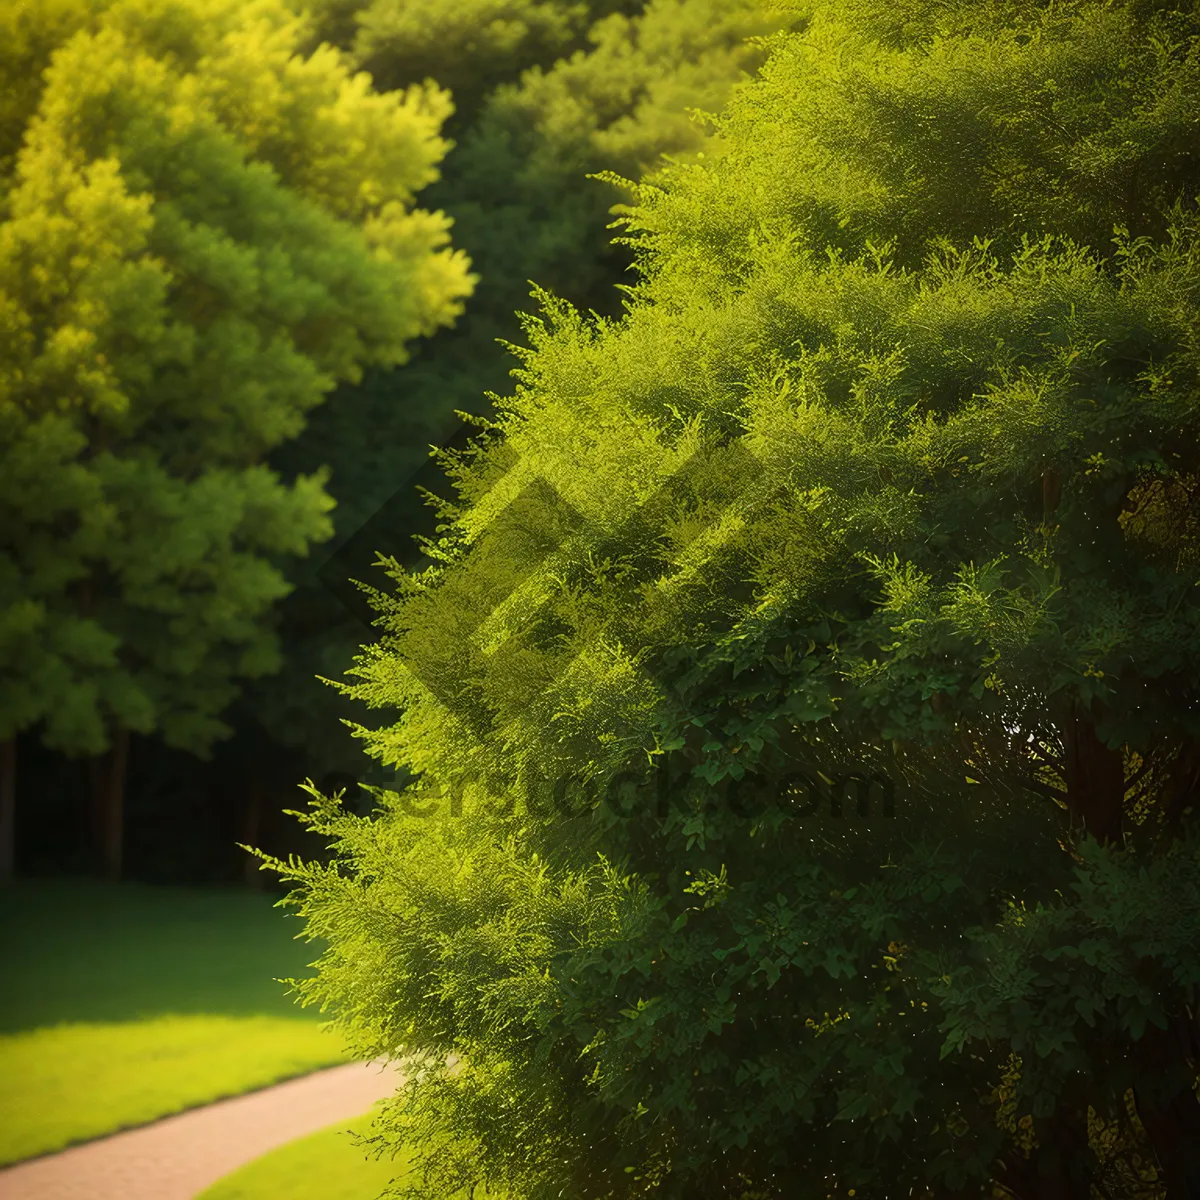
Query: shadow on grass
x=77 y=950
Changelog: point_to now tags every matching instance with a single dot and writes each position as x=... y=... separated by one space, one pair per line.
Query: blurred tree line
x=254 y=260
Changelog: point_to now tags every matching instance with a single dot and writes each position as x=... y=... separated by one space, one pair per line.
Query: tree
x=889 y=470
x=202 y=233
x=470 y=47
x=618 y=105
x=610 y=114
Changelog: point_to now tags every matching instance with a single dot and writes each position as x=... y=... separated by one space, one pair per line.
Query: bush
x=887 y=471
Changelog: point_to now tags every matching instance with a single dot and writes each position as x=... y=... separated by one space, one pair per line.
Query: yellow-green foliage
x=201 y=233
x=637 y=92
x=469 y=46
x=633 y=93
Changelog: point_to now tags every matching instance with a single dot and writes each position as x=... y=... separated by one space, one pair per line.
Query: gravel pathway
x=177 y=1157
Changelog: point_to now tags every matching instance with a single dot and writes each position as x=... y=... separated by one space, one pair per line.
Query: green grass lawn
x=323 y=1166
x=123 y=1003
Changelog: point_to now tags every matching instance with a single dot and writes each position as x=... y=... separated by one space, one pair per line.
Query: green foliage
x=202 y=233
x=469 y=47
x=890 y=467
x=632 y=97
x=618 y=104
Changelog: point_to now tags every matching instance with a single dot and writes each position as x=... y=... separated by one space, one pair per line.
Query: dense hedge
x=890 y=470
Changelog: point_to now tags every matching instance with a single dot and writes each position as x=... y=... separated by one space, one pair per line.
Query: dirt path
x=177 y=1157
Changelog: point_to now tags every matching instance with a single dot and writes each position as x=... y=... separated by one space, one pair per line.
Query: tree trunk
x=1183 y=793
x=1063 y=1165
x=1166 y=1103
x=8 y=809
x=108 y=804
x=1051 y=493
x=1168 y=1109
x=1095 y=779
x=251 y=824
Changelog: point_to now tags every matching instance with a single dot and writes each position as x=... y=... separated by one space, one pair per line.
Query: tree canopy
x=202 y=232
x=469 y=47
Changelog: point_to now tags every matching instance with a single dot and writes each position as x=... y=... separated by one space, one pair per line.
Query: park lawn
x=70 y=1083
x=120 y=1004
x=323 y=1166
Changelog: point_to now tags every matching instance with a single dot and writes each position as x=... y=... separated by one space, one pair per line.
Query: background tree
x=889 y=467
x=203 y=231
x=469 y=48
